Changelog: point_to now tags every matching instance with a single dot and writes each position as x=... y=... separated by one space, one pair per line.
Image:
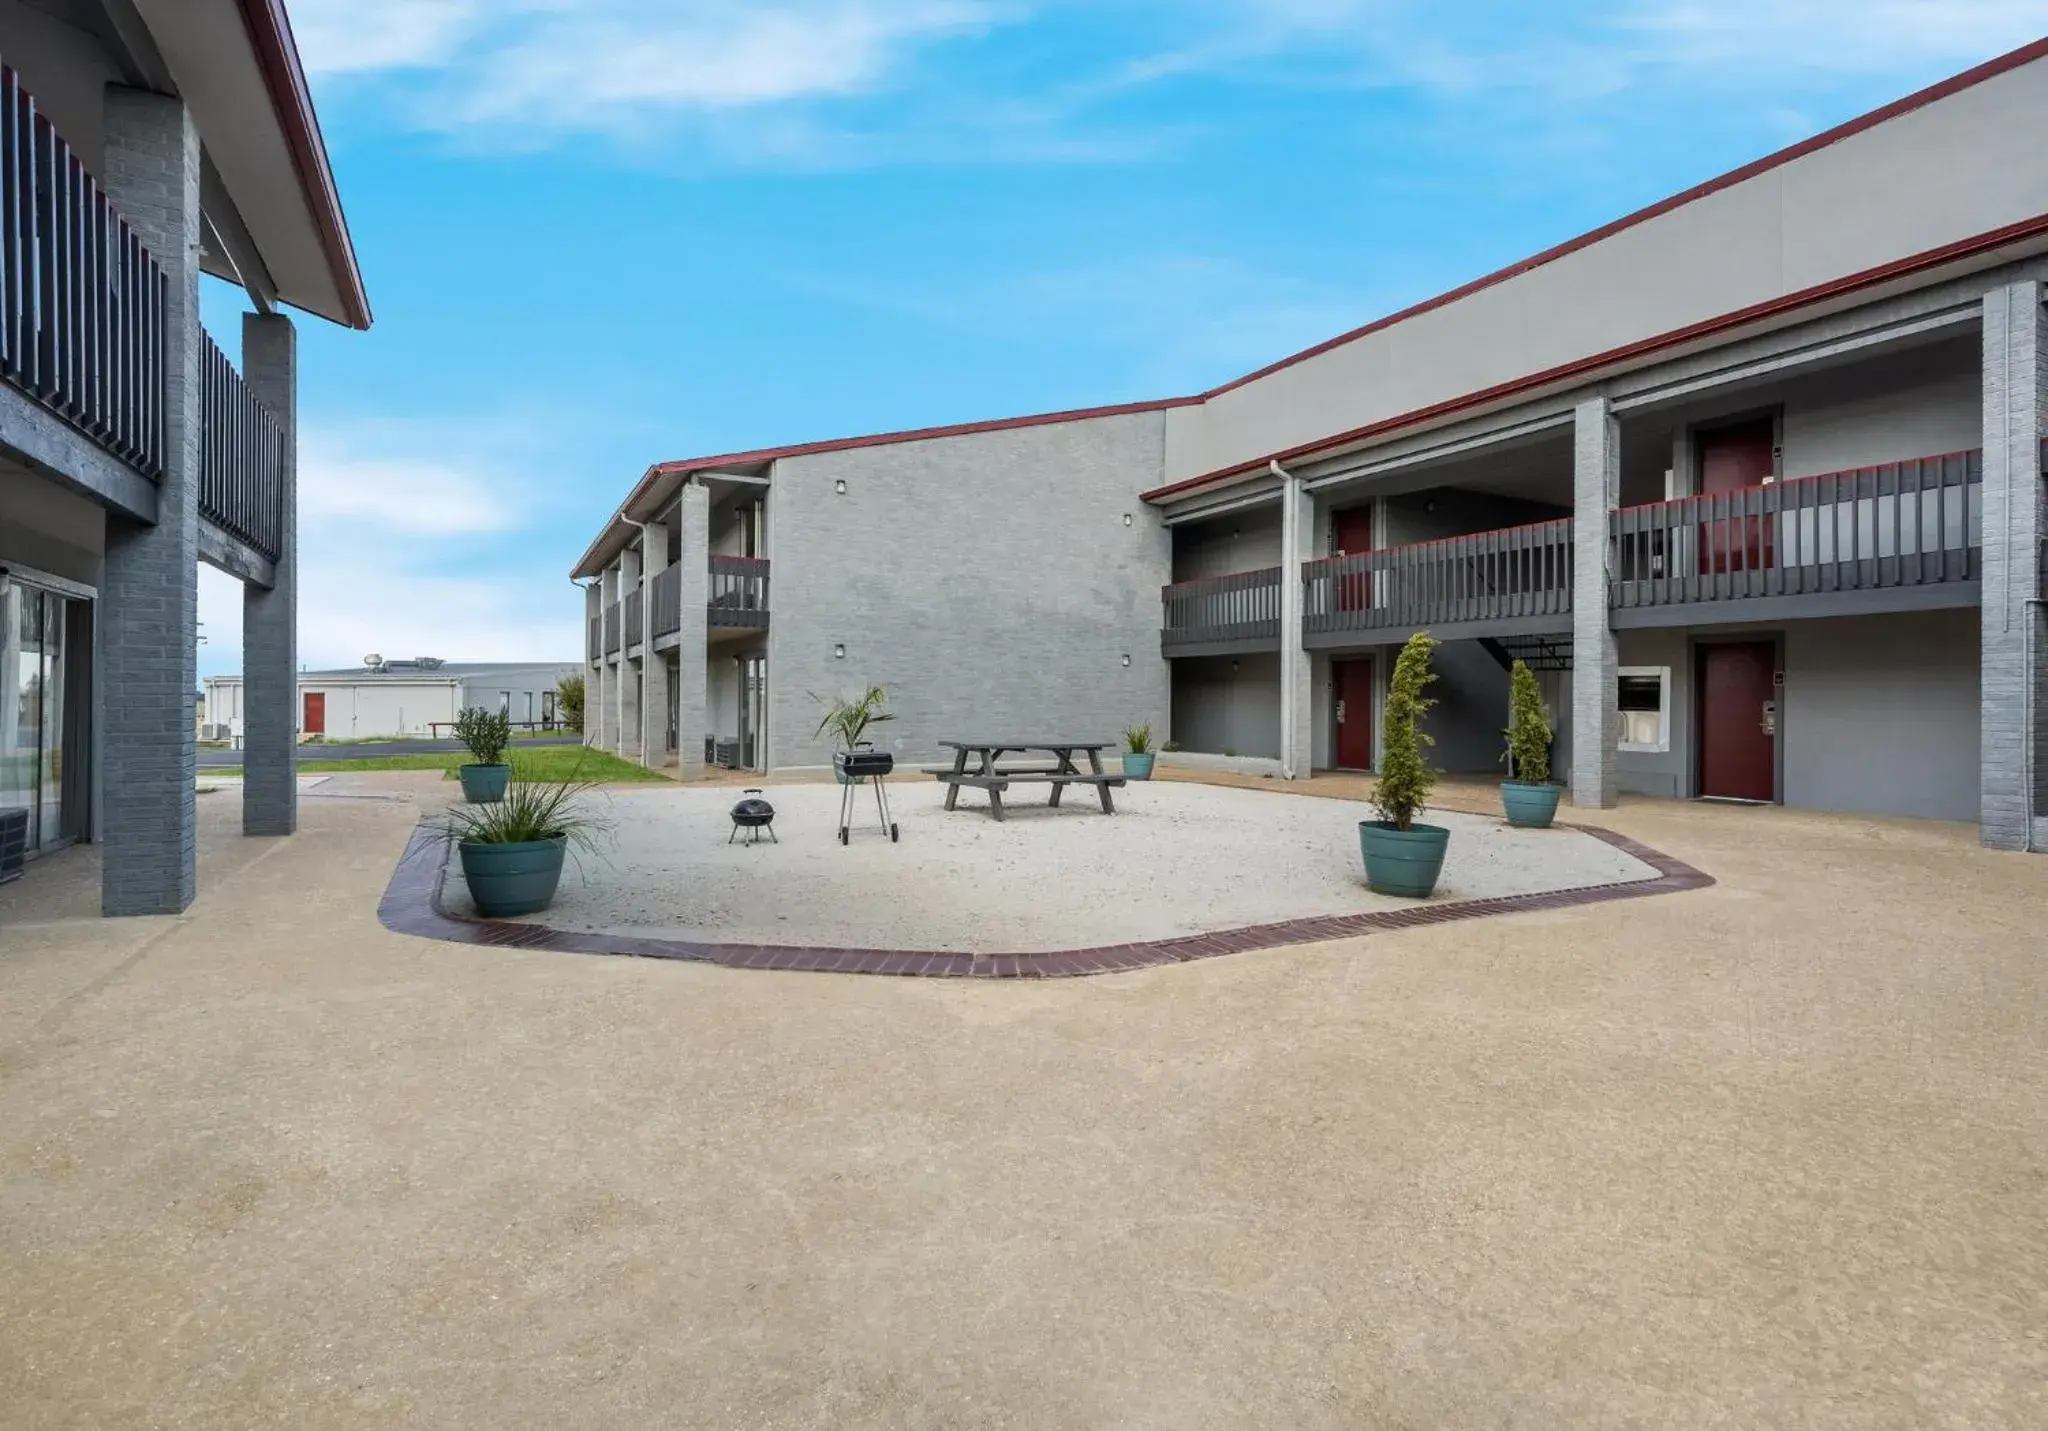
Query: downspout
x=1292 y=761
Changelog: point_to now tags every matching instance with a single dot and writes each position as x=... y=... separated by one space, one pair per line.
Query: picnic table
x=976 y=764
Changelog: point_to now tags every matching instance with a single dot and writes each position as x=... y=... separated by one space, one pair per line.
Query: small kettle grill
x=864 y=762
x=754 y=815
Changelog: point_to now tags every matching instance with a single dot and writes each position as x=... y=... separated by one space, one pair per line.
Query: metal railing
x=82 y=302
x=668 y=601
x=1512 y=573
x=241 y=455
x=596 y=639
x=1902 y=524
x=633 y=612
x=739 y=591
x=1238 y=606
x=611 y=629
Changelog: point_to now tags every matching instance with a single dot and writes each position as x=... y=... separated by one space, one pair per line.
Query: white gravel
x=1176 y=859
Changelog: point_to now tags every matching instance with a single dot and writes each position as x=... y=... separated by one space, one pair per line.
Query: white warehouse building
x=403 y=698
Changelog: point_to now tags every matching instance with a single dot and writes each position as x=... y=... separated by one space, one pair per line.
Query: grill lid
x=752 y=810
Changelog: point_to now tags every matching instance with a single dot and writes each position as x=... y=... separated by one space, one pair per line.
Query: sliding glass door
x=42 y=709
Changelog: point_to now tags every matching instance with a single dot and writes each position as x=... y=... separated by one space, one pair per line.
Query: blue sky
x=602 y=233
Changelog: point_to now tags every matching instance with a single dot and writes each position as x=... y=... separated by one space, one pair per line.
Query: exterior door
x=1738 y=718
x=315 y=722
x=1353 y=536
x=1353 y=682
x=1735 y=459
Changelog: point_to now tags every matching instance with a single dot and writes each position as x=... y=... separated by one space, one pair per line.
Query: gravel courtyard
x=1176 y=859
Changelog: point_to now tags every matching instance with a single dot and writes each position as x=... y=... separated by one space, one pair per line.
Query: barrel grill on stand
x=864 y=762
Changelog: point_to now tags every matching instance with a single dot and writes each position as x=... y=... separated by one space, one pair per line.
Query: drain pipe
x=1294 y=761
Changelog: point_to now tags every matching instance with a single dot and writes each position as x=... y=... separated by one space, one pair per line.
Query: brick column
x=270 y=619
x=593 y=659
x=605 y=716
x=693 y=693
x=1596 y=488
x=654 y=669
x=626 y=738
x=149 y=592
x=1297 y=690
x=2014 y=690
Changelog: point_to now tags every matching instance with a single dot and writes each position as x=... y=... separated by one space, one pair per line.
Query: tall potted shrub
x=512 y=849
x=1402 y=856
x=1527 y=796
x=848 y=722
x=1138 y=755
x=569 y=694
x=485 y=733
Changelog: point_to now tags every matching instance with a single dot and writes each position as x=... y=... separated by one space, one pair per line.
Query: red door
x=1354 y=536
x=1354 y=714
x=316 y=713
x=1738 y=721
x=1734 y=459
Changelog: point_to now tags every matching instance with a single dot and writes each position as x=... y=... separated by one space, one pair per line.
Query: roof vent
x=427 y=663
x=372 y=661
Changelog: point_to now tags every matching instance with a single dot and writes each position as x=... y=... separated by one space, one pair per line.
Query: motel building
x=1752 y=478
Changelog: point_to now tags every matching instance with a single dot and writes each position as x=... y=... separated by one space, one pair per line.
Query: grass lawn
x=547 y=762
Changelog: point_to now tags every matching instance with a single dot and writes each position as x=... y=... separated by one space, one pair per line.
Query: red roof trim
x=921 y=434
x=277 y=55
x=1932 y=258
x=1955 y=84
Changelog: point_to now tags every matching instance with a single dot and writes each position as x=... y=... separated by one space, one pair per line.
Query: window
x=1645 y=725
x=505 y=704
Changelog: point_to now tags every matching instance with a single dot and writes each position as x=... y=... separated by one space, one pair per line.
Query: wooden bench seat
x=997 y=783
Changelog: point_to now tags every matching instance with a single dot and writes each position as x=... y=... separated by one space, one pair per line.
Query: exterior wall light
x=839 y=653
x=840 y=486
x=1127 y=519
x=1127 y=658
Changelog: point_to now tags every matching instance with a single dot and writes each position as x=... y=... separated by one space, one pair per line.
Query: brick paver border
x=412 y=905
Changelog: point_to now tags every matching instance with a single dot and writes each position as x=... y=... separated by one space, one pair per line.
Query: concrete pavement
x=1768 y=1154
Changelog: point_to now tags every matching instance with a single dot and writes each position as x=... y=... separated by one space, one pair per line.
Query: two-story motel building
x=1753 y=477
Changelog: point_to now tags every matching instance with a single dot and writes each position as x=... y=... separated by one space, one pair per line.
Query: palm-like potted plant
x=848 y=722
x=1138 y=756
x=486 y=734
x=512 y=848
x=1528 y=796
x=1402 y=856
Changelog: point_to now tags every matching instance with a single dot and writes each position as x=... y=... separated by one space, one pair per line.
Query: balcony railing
x=1903 y=524
x=82 y=302
x=739 y=591
x=596 y=639
x=633 y=612
x=1239 y=606
x=611 y=629
x=241 y=455
x=668 y=601
x=1514 y=574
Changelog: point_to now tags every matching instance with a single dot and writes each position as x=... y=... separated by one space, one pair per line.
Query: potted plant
x=1401 y=856
x=1138 y=755
x=512 y=848
x=848 y=721
x=485 y=733
x=1527 y=796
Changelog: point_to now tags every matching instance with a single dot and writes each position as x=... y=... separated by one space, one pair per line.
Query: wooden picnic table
x=975 y=765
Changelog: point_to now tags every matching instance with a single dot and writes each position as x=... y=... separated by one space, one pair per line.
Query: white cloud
x=358 y=36
x=1848 y=36
x=381 y=481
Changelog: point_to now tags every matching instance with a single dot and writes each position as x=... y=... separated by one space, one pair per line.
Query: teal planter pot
x=1138 y=767
x=1402 y=862
x=484 y=784
x=505 y=880
x=1529 y=807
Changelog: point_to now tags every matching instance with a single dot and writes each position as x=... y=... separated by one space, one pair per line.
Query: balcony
x=631 y=611
x=738 y=597
x=241 y=456
x=1222 y=615
x=1511 y=582
x=668 y=601
x=1901 y=536
x=611 y=629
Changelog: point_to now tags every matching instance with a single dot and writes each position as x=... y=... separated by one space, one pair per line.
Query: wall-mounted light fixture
x=839 y=653
x=1127 y=658
x=840 y=486
x=1127 y=519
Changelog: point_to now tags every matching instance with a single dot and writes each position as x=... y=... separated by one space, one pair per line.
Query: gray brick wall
x=987 y=580
x=626 y=733
x=1596 y=487
x=654 y=670
x=2014 y=643
x=270 y=645
x=693 y=713
x=149 y=597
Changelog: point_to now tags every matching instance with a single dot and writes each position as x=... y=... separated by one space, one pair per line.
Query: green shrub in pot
x=1403 y=856
x=485 y=734
x=1528 y=796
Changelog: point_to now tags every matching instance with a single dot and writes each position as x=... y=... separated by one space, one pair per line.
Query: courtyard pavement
x=1771 y=1153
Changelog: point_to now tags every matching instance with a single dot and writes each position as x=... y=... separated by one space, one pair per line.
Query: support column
x=607 y=712
x=627 y=741
x=693 y=687
x=1297 y=694
x=149 y=592
x=654 y=669
x=1596 y=488
x=270 y=618
x=593 y=660
x=2014 y=631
